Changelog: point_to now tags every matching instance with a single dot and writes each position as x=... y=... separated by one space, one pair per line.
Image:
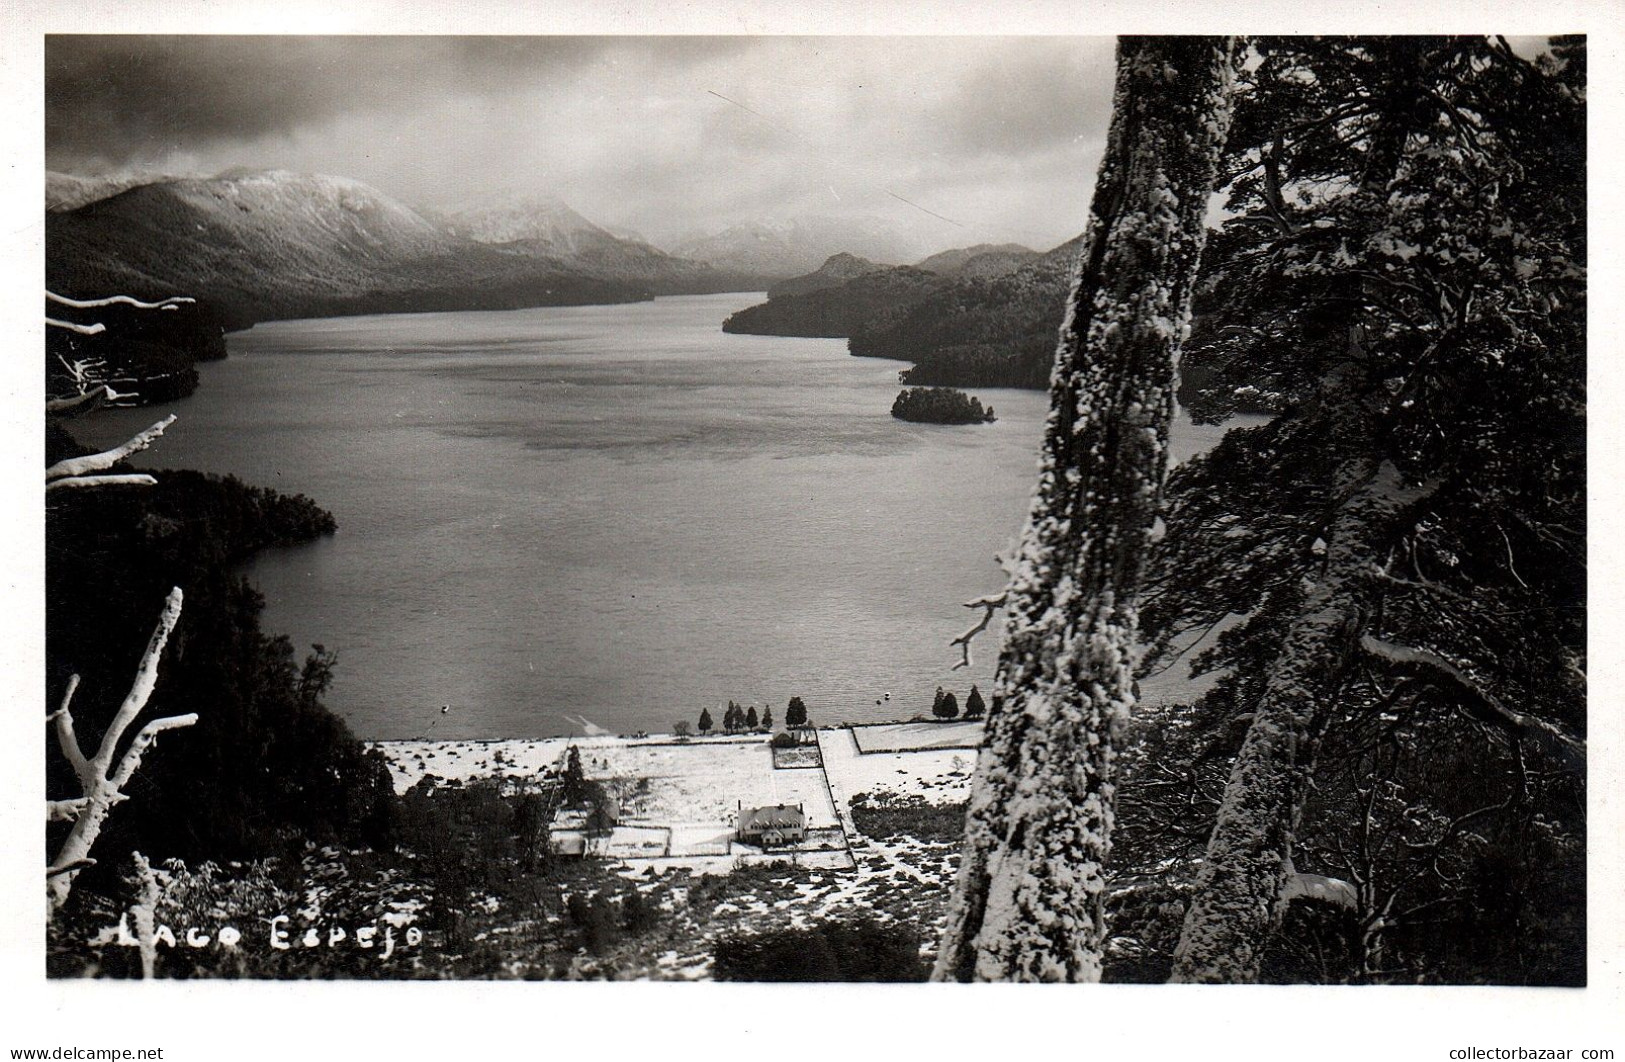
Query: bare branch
x=131 y=760
x=134 y=479
x=1511 y=567
x=65 y=810
x=989 y=605
x=78 y=466
x=68 y=740
x=81 y=403
x=146 y=676
x=56 y=870
x=103 y=790
x=85 y=330
x=115 y=300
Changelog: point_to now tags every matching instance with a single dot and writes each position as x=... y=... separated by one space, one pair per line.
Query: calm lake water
x=615 y=513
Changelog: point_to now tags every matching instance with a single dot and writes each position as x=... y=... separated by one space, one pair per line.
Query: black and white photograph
x=739 y=505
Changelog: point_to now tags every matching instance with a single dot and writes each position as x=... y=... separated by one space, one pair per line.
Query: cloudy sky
x=665 y=135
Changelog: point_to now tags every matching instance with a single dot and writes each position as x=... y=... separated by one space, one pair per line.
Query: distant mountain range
x=983 y=316
x=837 y=270
x=265 y=245
x=549 y=228
x=982 y=260
x=262 y=245
x=787 y=248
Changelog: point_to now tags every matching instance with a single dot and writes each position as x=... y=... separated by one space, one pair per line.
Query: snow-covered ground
x=894 y=737
x=660 y=781
x=679 y=800
x=464 y=761
x=940 y=776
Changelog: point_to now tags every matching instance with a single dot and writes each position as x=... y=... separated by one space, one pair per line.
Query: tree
x=682 y=728
x=1029 y=900
x=705 y=721
x=974 y=705
x=767 y=718
x=102 y=782
x=936 y=702
x=638 y=915
x=750 y=718
x=573 y=786
x=795 y=713
x=530 y=830
x=600 y=820
x=947 y=707
x=265 y=763
x=1403 y=278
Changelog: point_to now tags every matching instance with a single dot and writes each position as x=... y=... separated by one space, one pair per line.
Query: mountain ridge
x=990 y=322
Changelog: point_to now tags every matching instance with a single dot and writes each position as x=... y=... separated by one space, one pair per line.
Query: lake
x=616 y=514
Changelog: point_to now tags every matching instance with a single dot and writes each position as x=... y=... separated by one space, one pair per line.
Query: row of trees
x=945 y=705
x=739 y=719
x=1396 y=735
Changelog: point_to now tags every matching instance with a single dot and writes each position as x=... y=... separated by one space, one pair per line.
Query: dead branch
x=83 y=329
x=117 y=300
x=989 y=605
x=102 y=780
x=63 y=471
x=131 y=480
x=84 y=402
x=64 y=810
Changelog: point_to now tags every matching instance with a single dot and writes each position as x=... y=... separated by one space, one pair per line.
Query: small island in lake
x=940 y=405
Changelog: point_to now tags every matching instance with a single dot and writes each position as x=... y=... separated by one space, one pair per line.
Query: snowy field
x=938 y=775
x=679 y=800
x=903 y=737
x=701 y=781
x=463 y=761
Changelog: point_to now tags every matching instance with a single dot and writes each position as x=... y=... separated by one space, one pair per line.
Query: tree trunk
x=1240 y=888
x=1029 y=900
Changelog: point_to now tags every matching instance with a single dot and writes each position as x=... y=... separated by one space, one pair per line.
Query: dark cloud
x=662 y=134
x=111 y=100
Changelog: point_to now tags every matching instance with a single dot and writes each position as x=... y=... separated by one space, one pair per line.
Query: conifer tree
x=1403 y=279
x=795 y=713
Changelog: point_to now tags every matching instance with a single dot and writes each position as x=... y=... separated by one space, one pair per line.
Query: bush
x=863 y=950
x=783 y=741
x=911 y=816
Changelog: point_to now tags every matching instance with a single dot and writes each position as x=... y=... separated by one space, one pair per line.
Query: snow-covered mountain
x=549 y=226
x=265 y=244
x=65 y=191
x=540 y=220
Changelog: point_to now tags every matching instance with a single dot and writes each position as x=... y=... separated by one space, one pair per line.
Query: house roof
x=772 y=816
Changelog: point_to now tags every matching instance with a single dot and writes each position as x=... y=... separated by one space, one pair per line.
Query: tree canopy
x=1402 y=279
